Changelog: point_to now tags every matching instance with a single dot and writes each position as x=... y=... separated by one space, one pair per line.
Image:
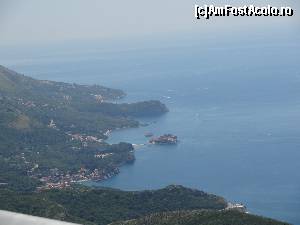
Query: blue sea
x=235 y=108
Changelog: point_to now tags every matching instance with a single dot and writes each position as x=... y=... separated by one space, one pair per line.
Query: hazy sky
x=32 y=21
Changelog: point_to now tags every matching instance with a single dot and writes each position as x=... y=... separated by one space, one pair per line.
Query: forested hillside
x=103 y=206
x=201 y=217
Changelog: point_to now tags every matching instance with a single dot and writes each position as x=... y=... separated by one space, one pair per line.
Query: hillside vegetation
x=103 y=206
x=201 y=217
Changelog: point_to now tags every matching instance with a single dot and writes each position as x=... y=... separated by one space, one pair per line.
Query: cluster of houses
x=29 y=104
x=103 y=155
x=236 y=207
x=99 y=98
x=84 y=138
x=52 y=124
x=60 y=180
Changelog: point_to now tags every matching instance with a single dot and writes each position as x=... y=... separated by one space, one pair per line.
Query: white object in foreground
x=11 y=218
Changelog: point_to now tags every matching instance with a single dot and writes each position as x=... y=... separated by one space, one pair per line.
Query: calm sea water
x=235 y=109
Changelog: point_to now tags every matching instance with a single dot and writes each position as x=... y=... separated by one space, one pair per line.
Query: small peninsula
x=166 y=139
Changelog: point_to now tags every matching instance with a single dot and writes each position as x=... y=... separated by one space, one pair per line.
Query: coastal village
x=59 y=179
